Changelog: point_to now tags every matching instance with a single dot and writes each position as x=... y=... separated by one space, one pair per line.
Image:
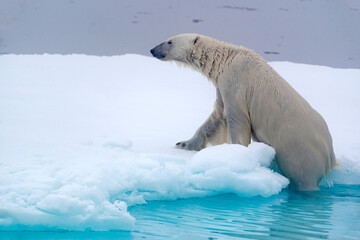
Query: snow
x=84 y=137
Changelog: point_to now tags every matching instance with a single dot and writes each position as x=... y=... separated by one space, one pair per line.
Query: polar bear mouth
x=159 y=56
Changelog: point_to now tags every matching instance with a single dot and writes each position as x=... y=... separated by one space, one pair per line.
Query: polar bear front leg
x=239 y=126
x=204 y=134
x=210 y=130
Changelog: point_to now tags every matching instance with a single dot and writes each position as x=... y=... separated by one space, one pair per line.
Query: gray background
x=321 y=32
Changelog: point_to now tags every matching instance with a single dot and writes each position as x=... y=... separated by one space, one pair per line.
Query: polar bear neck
x=212 y=59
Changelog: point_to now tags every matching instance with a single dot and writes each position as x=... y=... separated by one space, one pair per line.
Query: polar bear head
x=177 y=48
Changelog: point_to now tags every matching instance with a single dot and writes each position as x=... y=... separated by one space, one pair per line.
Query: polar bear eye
x=169 y=42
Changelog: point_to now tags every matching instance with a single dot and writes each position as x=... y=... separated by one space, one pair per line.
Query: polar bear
x=254 y=102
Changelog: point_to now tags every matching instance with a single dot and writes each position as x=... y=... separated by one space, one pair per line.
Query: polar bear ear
x=195 y=40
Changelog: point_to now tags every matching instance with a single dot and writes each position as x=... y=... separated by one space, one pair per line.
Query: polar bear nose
x=158 y=52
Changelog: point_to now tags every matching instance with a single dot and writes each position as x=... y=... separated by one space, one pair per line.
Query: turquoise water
x=331 y=213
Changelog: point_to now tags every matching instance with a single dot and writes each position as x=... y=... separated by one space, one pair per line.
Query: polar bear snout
x=158 y=52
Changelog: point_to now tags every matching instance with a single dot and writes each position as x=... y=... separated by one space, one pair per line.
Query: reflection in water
x=302 y=215
x=288 y=215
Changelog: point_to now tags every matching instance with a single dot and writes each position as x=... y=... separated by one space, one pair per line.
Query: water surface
x=331 y=213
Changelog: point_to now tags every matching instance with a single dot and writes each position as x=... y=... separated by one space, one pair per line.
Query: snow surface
x=83 y=137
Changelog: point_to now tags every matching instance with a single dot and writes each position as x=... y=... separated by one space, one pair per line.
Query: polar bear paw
x=190 y=145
